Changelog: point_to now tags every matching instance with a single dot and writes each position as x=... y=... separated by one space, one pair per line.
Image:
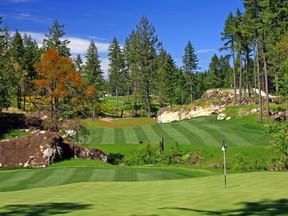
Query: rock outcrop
x=40 y=149
x=170 y=115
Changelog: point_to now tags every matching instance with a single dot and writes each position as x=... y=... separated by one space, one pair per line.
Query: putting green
x=262 y=193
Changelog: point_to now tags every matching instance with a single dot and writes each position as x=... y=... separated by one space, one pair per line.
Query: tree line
x=143 y=71
x=257 y=42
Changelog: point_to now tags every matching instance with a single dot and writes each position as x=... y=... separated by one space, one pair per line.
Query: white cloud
x=79 y=45
x=206 y=51
x=76 y=45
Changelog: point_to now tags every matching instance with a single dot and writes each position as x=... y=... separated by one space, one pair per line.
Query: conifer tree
x=190 y=65
x=116 y=68
x=54 y=39
x=93 y=75
x=228 y=35
x=5 y=75
x=141 y=48
x=31 y=56
x=78 y=63
x=16 y=52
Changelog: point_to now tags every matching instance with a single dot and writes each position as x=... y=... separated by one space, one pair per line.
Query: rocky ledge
x=40 y=149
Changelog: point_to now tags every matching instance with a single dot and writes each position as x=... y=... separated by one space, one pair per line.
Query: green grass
x=12 y=134
x=260 y=193
x=204 y=131
x=118 y=122
x=70 y=172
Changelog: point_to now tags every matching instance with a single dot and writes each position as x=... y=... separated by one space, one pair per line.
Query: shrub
x=115 y=159
x=279 y=158
x=147 y=154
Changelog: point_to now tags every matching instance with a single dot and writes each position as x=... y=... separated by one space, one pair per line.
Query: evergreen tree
x=53 y=39
x=5 y=75
x=31 y=56
x=16 y=52
x=93 y=75
x=131 y=60
x=170 y=80
x=78 y=63
x=228 y=35
x=141 y=48
x=147 y=46
x=252 y=9
x=190 y=64
x=116 y=68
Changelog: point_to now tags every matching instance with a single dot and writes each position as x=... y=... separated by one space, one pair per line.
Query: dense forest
x=256 y=41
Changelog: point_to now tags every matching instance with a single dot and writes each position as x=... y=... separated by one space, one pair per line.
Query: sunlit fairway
x=258 y=193
x=205 y=131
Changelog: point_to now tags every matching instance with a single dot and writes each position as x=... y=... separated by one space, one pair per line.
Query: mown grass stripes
x=258 y=193
x=21 y=180
x=162 y=132
x=208 y=138
x=205 y=131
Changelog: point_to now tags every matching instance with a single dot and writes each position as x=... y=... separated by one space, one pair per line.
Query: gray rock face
x=40 y=149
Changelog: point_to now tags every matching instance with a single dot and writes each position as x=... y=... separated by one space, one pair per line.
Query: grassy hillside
x=204 y=131
x=260 y=193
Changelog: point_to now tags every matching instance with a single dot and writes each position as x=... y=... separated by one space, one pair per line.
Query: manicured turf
x=118 y=122
x=34 y=178
x=205 y=131
x=261 y=193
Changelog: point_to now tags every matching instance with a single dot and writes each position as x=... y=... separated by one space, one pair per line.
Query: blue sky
x=175 y=22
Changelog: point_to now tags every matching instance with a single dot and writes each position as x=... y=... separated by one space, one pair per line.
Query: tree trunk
x=277 y=79
x=266 y=84
x=240 y=76
x=51 y=106
x=248 y=74
x=19 y=96
x=24 y=102
x=234 y=75
x=93 y=109
x=191 y=88
x=148 y=100
x=259 y=82
x=116 y=98
x=255 y=74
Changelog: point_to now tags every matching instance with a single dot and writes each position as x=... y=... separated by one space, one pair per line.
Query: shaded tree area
x=143 y=73
x=251 y=37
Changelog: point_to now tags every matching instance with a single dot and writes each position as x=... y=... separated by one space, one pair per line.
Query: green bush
x=115 y=158
x=279 y=158
x=147 y=154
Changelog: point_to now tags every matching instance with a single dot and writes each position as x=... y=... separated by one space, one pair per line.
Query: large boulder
x=40 y=149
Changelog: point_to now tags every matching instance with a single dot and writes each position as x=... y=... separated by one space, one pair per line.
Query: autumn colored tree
x=58 y=77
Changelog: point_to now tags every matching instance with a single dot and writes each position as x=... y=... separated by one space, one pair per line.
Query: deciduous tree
x=57 y=75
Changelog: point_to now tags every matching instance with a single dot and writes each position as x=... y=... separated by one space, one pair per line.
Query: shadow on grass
x=42 y=209
x=264 y=207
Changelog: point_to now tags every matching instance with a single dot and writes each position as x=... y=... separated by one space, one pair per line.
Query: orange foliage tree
x=57 y=75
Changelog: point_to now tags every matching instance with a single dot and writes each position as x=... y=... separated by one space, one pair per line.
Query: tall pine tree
x=116 y=68
x=54 y=39
x=190 y=65
x=93 y=75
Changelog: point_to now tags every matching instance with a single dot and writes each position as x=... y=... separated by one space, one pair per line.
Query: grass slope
x=34 y=178
x=259 y=193
x=205 y=131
